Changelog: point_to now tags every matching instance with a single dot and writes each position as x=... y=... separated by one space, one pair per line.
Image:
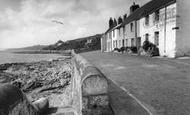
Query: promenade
x=161 y=86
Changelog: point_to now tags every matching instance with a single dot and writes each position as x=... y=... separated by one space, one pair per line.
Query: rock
x=41 y=104
x=14 y=102
x=4 y=66
x=9 y=96
x=33 y=84
x=18 y=84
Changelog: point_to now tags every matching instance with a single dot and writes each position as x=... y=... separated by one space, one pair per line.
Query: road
x=161 y=85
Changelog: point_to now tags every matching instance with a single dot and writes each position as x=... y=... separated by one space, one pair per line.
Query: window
x=110 y=36
x=119 y=43
x=156 y=38
x=113 y=44
x=139 y=41
x=157 y=16
x=123 y=43
x=108 y=46
x=124 y=31
x=147 y=20
x=119 y=32
x=146 y=37
x=126 y=42
x=131 y=25
x=116 y=43
x=132 y=42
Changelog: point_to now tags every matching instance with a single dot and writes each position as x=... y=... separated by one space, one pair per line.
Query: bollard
x=95 y=92
x=93 y=82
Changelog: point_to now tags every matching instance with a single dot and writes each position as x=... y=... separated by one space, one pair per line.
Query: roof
x=113 y=28
x=146 y=9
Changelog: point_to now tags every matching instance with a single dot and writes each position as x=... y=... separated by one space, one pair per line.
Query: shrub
x=151 y=48
x=122 y=49
x=146 y=45
x=117 y=49
x=133 y=49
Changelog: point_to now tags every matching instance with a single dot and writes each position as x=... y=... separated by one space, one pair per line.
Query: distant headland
x=84 y=44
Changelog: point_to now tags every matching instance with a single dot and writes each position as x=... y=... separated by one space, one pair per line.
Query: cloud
x=29 y=22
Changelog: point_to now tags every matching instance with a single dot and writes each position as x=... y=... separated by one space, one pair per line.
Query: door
x=123 y=43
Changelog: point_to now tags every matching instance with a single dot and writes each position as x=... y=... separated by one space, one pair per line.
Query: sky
x=32 y=22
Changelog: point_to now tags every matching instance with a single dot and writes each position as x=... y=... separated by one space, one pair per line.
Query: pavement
x=161 y=86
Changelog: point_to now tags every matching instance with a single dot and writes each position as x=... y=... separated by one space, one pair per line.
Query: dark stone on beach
x=33 y=85
x=9 y=95
x=14 y=102
x=18 y=84
x=41 y=105
x=4 y=66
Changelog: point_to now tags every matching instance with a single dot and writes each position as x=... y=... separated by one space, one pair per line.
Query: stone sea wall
x=94 y=88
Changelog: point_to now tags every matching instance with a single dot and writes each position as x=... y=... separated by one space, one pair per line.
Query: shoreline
x=10 y=57
x=65 y=52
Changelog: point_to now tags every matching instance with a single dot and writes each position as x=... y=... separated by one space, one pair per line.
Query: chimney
x=111 y=24
x=115 y=22
x=120 y=20
x=134 y=7
x=124 y=17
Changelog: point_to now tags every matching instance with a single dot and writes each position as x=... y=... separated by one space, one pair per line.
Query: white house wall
x=183 y=24
x=118 y=37
x=115 y=37
x=109 y=42
x=103 y=43
x=170 y=31
x=129 y=34
x=167 y=36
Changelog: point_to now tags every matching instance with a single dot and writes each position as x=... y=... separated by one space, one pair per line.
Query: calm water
x=6 y=57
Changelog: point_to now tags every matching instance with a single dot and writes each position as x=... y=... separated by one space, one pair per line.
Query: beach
x=50 y=79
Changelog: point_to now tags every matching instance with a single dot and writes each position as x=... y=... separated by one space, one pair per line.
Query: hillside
x=81 y=44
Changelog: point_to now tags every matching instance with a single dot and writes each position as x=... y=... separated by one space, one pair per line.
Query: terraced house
x=165 y=23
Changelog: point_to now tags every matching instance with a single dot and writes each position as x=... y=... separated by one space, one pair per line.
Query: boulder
x=14 y=102
x=9 y=96
x=41 y=105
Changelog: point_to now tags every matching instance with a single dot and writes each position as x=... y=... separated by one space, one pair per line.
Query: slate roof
x=113 y=28
x=146 y=9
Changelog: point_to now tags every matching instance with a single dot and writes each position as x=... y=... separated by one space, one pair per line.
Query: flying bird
x=58 y=22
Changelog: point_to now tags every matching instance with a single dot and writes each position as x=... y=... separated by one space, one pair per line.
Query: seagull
x=58 y=22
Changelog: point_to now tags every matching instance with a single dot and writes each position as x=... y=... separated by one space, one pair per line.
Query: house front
x=164 y=23
x=157 y=25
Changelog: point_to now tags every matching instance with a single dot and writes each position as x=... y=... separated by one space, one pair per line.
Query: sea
x=8 y=57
